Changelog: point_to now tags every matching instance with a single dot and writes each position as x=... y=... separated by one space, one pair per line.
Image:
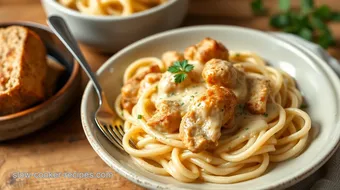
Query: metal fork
x=106 y=119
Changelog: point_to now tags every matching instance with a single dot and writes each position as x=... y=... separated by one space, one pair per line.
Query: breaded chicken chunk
x=148 y=81
x=220 y=72
x=206 y=50
x=167 y=117
x=130 y=89
x=259 y=89
x=168 y=85
x=200 y=127
x=170 y=57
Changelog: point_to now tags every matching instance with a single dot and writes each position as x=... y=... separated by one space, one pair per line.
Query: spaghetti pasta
x=110 y=7
x=244 y=150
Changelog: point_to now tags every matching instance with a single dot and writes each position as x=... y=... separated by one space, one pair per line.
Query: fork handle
x=60 y=28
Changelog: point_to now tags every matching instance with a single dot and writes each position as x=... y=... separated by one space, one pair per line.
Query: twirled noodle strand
x=242 y=153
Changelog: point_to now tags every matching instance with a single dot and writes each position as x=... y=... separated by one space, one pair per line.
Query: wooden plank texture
x=62 y=147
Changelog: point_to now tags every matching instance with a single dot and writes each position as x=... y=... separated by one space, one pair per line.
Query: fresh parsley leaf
x=301 y=20
x=335 y=16
x=139 y=117
x=280 y=20
x=174 y=69
x=309 y=22
x=258 y=7
x=178 y=63
x=180 y=69
x=325 y=36
x=188 y=68
x=326 y=39
x=306 y=33
x=307 y=6
x=265 y=114
x=183 y=63
x=180 y=77
x=294 y=29
x=317 y=23
x=284 y=5
x=323 y=12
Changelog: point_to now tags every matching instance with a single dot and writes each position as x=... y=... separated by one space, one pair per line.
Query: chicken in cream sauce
x=205 y=101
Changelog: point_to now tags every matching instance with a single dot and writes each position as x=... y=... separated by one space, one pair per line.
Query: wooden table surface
x=63 y=147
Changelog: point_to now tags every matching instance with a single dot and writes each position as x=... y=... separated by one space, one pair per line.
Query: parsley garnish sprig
x=309 y=22
x=180 y=69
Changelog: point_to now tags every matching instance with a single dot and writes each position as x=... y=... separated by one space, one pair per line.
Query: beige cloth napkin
x=328 y=176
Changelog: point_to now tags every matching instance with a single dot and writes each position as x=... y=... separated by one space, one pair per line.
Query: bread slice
x=55 y=70
x=23 y=69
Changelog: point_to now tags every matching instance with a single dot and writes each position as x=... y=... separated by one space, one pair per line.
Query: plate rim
x=150 y=183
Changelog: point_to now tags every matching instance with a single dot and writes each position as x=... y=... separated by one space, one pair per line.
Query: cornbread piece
x=22 y=69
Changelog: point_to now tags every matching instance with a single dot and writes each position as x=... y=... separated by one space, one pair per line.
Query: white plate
x=318 y=83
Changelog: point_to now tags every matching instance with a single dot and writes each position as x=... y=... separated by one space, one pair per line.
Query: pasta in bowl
x=210 y=114
x=192 y=130
x=109 y=25
x=110 y=7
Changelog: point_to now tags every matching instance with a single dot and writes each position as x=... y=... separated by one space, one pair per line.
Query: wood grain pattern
x=62 y=147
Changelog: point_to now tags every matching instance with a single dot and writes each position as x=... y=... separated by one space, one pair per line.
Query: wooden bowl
x=45 y=113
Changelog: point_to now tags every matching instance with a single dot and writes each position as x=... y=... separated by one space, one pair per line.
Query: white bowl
x=318 y=83
x=111 y=33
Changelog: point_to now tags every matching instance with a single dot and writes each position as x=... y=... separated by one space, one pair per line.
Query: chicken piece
x=220 y=72
x=148 y=81
x=259 y=89
x=129 y=94
x=205 y=50
x=200 y=127
x=196 y=73
x=141 y=73
x=167 y=118
x=130 y=89
x=223 y=73
x=167 y=83
x=170 y=57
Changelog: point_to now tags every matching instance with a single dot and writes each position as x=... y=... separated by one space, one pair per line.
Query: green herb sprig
x=180 y=69
x=309 y=22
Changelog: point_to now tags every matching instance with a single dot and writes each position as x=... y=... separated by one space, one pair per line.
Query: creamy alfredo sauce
x=190 y=90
